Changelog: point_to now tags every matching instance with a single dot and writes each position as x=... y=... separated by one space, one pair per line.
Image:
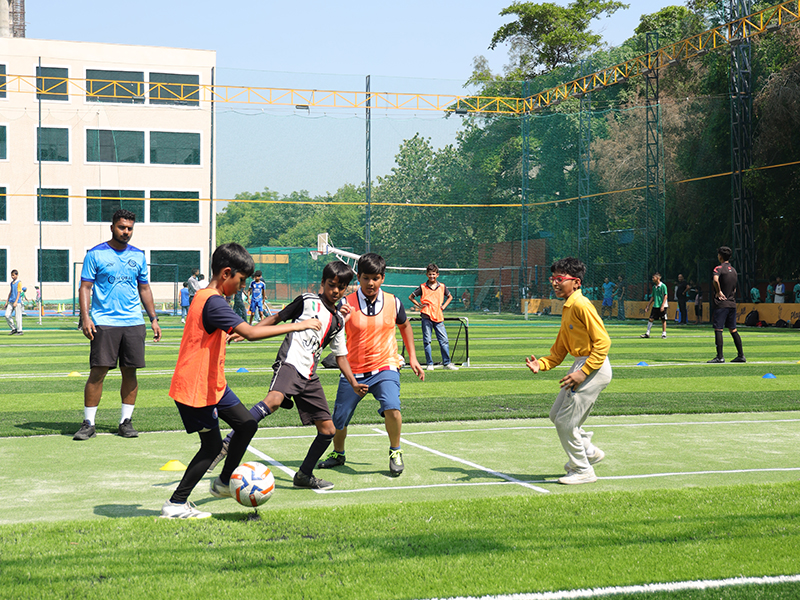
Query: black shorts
x=307 y=394
x=657 y=315
x=123 y=343
x=698 y=310
x=725 y=317
x=206 y=418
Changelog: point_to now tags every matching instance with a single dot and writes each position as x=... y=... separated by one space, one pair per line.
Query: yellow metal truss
x=734 y=32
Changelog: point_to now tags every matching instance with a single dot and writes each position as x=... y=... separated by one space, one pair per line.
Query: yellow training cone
x=74 y=374
x=173 y=465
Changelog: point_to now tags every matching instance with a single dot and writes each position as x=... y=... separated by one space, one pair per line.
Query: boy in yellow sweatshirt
x=584 y=336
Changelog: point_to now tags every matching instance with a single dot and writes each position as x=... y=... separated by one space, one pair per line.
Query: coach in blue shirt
x=114 y=277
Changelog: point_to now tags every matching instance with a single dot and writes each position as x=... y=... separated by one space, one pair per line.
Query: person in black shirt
x=724 y=298
x=680 y=292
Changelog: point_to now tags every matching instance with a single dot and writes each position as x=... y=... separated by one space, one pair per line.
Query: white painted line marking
x=477 y=466
x=648 y=588
x=278 y=465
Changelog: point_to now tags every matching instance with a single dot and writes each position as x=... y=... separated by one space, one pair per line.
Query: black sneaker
x=18 y=332
x=126 y=429
x=12 y=332
x=396 y=462
x=85 y=432
x=222 y=454
x=309 y=482
x=739 y=359
x=717 y=360
x=335 y=459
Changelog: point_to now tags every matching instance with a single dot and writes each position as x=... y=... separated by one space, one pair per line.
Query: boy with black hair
x=295 y=368
x=724 y=284
x=657 y=305
x=434 y=298
x=583 y=335
x=256 y=292
x=198 y=385
x=372 y=315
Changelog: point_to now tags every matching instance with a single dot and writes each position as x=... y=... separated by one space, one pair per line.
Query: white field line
x=648 y=588
x=477 y=466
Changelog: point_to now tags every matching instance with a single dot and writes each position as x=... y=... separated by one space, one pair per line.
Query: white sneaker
x=450 y=367
x=429 y=368
x=182 y=511
x=597 y=456
x=575 y=478
x=219 y=489
x=664 y=336
x=645 y=335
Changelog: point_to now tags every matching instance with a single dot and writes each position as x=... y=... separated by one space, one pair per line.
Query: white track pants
x=10 y=319
x=571 y=409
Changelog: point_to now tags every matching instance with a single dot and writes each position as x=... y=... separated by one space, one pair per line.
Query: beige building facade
x=88 y=128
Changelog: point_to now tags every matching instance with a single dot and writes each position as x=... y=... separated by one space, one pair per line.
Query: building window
x=172 y=88
x=52 y=204
x=168 y=266
x=174 y=207
x=52 y=143
x=115 y=86
x=4 y=264
x=102 y=204
x=53 y=265
x=3 y=204
x=106 y=145
x=3 y=150
x=2 y=81
x=51 y=83
x=167 y=148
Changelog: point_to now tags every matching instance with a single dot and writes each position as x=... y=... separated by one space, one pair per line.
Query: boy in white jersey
x=295 y=368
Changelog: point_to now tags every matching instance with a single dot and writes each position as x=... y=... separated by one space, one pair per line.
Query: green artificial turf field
x=700 y=480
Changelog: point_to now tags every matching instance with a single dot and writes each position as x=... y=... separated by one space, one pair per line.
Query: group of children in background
x=360 y=330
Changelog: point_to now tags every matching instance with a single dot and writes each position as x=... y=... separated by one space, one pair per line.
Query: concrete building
x=87 y=128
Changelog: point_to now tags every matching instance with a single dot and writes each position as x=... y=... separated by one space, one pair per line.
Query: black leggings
x=245 y=427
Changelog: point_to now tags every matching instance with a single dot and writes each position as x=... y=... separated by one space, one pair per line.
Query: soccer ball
x=252 y=484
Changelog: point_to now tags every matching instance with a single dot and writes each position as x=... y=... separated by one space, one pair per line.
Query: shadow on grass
x=62 y=427
x=470 y=474
x=124 y=511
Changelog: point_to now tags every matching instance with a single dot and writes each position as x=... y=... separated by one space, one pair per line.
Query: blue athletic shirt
x=115 y=276
x=257 y=289
x=16 y=287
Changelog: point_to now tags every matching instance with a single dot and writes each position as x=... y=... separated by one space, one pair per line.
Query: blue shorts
x=256 y=305
x=384 y=386
x=608 y=302
x=206 y=418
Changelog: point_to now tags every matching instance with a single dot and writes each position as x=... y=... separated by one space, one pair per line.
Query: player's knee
x=248 y=427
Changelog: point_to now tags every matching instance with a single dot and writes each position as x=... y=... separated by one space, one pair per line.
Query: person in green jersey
x=657 y=306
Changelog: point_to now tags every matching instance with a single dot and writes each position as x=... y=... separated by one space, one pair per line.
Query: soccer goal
x=457 y=329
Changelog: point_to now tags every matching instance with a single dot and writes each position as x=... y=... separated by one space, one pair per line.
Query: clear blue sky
x=413 y=46
x=412 y=38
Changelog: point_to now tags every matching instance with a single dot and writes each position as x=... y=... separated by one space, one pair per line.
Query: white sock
x=127 y=412
x=89 y=413
x=649 y=325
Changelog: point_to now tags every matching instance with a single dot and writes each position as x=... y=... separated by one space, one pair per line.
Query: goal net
x=457 y=329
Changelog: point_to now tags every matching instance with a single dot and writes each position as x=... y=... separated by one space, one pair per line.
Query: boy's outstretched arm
x=532 y=363
x=251 y=333
x=344 y=366
x=408 y=339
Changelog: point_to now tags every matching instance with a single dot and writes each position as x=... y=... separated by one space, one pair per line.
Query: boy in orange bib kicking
x=198 y=386
x=371 y=316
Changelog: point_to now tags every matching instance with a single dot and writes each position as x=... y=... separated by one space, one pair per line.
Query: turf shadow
x=124 y=511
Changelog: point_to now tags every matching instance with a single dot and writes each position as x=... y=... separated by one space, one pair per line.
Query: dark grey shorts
x=125 y=344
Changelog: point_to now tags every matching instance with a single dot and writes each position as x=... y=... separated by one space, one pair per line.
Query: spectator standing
x=796 y=291
x=780 y=291
x=14 y=305
x=619 y=292
x=770 y=291
x=608 y=297
x=680 y=292
x=194 y=284
x=755 y=295
x=114 y=280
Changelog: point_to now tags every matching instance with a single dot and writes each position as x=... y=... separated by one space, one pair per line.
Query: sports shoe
x=126 y=429
x=222 y=454
x=739 y=359
x=450 y=367
x=309 y=482
x=597 y=456
x=645 y=335
x=575 y=478
x=85 y=432
x=18 y=332
x=335 y=459
x=188 y=510
x=12 y=332
x=429 y=368
x=396 y=462
x=663 y=336
x=219 y=489
x=716 y=360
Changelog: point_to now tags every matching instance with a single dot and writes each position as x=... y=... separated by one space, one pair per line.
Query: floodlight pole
x=39 y=197
x=369 y=172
